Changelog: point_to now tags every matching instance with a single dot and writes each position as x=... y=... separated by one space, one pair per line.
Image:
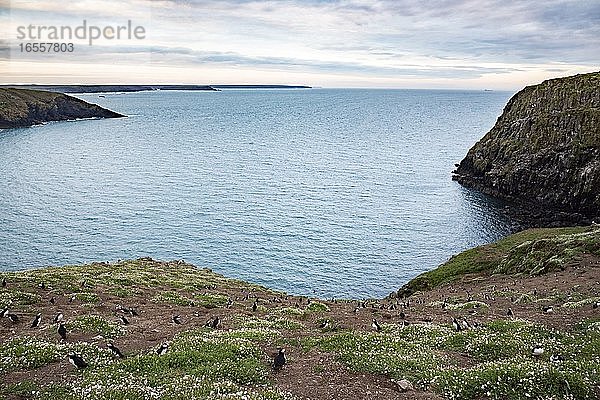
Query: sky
x=462 y=44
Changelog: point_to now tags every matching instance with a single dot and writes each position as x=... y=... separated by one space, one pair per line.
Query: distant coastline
x=143 y=88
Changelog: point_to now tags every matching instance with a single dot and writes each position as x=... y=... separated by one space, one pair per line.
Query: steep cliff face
x=20 y=107
x=544 y=150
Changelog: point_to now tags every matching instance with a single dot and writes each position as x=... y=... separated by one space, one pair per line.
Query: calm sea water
x=323 y=192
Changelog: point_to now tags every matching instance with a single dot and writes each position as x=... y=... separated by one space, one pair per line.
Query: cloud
x=462 y=39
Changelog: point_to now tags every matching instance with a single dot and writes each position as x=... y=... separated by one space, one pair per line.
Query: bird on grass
x=375 y=325
x=556 y=358
x=4 y=313
x=537 y=351
x=324 y=324
x=596 y=305
x=255 y=306
x=548 y=309
x=36 y=320
x=58 y=318
x=279 y=360
x=14 y=318
x=162 y=350
x=77 y=361
x=213 y=323
x=128 y=310
x=510 y=312
x=62 y=331
x=465 y=324
x=457 y=327
x=3 y=282
x=115 y=350
x=52 y=300
x=176 y=319
x=124 y=320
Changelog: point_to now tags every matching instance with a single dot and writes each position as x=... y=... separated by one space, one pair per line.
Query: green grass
x=11 y=298
x=209 y=300
x=530 y=252
x=199 y=364
x=173 y=298
x=25 y=353
x=97 y=325
x=128 y=275
x=272 y=322
x=501 y=365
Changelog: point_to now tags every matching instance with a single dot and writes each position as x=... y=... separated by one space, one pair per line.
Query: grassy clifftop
x=22 y=107
x=528 y=253
x=333 y=351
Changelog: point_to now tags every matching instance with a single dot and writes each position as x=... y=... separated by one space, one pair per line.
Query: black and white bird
x=548 y=309
x=510 y=312
x=115 y=350
x=214 y=323
x=324 y=324
x=36 y=320
x=62 y=331
x=176 y=319
x=14 y=318
x=402 y=315
x=124 y=320
x=457 y=327
x=42 y=286
x=537 y=351
x=3 y=282
x=465 y=324
x=255 y=306
x=4 y=313
x=162 y=349
x=52 y=300
x=58 y=318
x=279 y=360
x=556 y=358
x=375 y=325
x=77 y=361
x=596 y=305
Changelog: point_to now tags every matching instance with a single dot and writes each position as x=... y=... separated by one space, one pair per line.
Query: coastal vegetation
x=332 y=349
x=24 y=107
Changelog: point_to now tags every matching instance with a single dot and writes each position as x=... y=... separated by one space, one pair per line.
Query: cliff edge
x=544 y=151
x=22 y=107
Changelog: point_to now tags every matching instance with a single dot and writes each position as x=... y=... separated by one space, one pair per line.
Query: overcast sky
x=470 y=44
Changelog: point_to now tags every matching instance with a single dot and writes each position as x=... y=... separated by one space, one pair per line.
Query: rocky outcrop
x=21 y=107
x=544 y=151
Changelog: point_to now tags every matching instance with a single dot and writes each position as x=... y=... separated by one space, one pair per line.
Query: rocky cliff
x=20 y=108
x=544 y=151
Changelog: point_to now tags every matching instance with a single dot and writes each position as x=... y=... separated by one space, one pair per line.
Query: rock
x=404 y=385
x=543 y=152
x=21 y=108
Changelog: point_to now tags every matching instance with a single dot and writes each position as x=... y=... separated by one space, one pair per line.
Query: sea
x=321 y=192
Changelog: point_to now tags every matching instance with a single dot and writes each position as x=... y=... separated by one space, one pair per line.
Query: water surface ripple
x=326 y=192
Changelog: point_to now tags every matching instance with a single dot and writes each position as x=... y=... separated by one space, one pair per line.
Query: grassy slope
x=14 y=102
x=491 y=361
x=24 y=107
x=530 y=252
